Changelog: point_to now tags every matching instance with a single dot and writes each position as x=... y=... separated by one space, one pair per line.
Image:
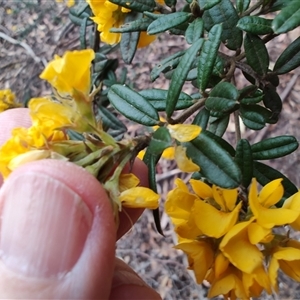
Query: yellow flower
x=200 y=256
x=293 y=203
x=7 y=100
x=108 y=15
x=288 y=259
x=71 y=72
x=236 y=247
x=262 y=205
x=184 y=163
x=184 y=132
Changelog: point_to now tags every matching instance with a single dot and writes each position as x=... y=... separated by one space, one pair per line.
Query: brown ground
x=31 y=32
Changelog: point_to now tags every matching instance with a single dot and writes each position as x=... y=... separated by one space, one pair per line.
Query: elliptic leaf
x=215 y=163
x=207 y=4
x=208 y=56
x=137 y=5
x=223 y=98
x=132 y=105
x=224 y=13
x=288 y=18
x=166 y=64
x=272 y=101
x=255 y=25
x=158 y=97
x=218 y=126
x=194 y=31
x=264 y=174
x=253 y=116
x=244 y=160
x=179 y=76
x=201 y=118
x=137 y=25
x=168 y=21
x=242 y=5
x=289 y=58
x=256 y=54
x=274 y=147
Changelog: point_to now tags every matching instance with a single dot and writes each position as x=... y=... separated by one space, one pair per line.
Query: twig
x=25 y=46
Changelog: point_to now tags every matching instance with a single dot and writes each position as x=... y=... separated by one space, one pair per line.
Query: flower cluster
x=71 y=108
x=233 y=240
x=108 y=15
x=7 y=100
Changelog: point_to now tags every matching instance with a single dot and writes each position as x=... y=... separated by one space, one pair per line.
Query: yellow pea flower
x=184 y=163
x=70 y=72
x=108 y=15
x=184 y=132
x=262 y=205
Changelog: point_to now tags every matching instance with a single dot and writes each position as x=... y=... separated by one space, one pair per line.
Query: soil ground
x=32 y=31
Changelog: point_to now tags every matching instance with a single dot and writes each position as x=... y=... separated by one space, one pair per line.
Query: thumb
x=57 y=234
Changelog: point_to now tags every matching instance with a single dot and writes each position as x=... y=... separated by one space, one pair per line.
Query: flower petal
x=184 y=132
x=184 y=163
x=225 y=198
x=271 y=193
x=202 y=189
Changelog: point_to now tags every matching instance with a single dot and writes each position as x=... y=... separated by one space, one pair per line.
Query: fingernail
x=44 y=225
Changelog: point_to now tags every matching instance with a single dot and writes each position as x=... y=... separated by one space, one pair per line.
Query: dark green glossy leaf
x=272 y=78
x=253 y=116
x=256 y=54
x=132 y=105
x=201 y=118
x=218 y=126
x=179 y=76
x=258 y=97
x=208 y=56
x=136 y=5
x=289 y=59
x=272 y=101
x=264 y=174
x=242 y=5
x=223 y=98
x=129 y=40
x=158 y=97
x=216 y=164
x=161 y=140
x=224 y=13
x=168 y=21
x=288 y=18
x=278 y=5
x=207 y=4
x=82 y=33
x=255 y=25
x=137 y=25
x=194 y=31
x=166 y=64
x=221 y=142
x=244 y=160
x=274 y=147
x=110 y=121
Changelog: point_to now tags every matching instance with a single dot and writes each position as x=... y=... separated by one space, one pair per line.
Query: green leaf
x=168 y=21
x=221 y=142
x=244 y=160
x=208 y=56
x=179 y=76
x=201 y=118
x=216 y=164
x=218 y=126
x=242 y=5
x=129 y=40
x=274 y=147
x=255 y=25
x=110 y=121
x=223 y=98
x=224 y=13
x=289 y=58
x=272 y=101
x=288 y=18
x=82 y=33
x=256 y=54
x=264 y=174
x=161 y=140
x=204 y=4
x=158 y=97
x=132 y=105
x=194 y=31
x=278 y=5
x=253 y=116
x=166 y=64
x=137 y=25
x=136 y=5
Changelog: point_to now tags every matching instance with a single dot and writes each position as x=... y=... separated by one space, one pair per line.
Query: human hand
x=57 y=232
